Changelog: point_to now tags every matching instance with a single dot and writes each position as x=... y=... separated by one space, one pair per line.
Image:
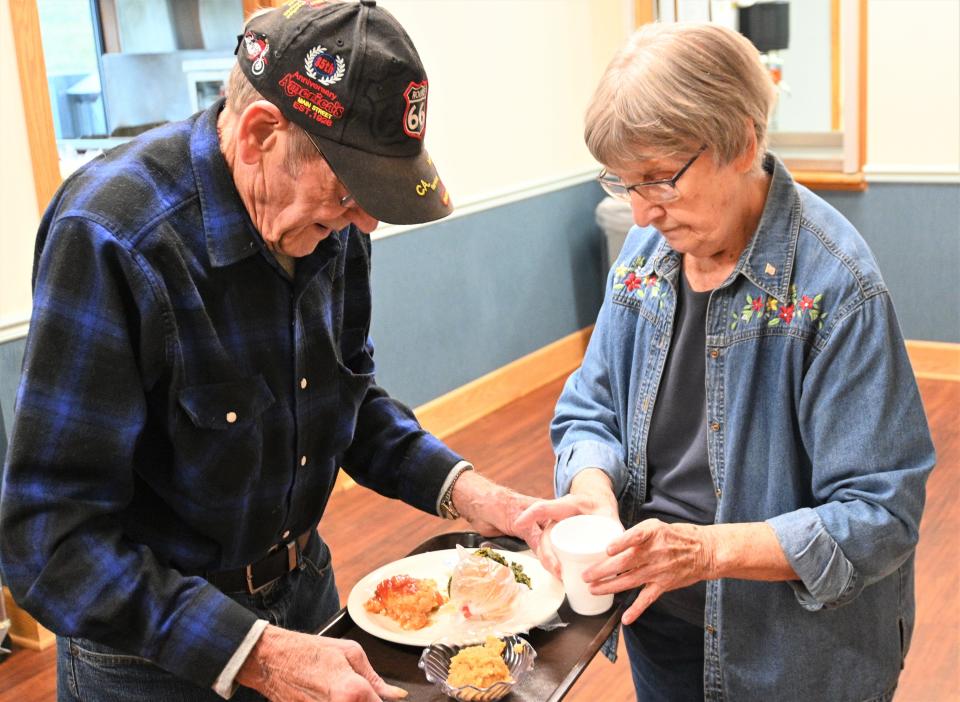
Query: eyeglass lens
x=654 y=192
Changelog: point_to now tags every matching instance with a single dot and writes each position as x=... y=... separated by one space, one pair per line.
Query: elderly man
x=198 y=367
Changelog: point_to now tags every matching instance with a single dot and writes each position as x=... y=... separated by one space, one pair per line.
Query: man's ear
x=257 y=128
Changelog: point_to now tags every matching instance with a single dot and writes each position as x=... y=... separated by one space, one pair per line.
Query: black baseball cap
x=348 y=74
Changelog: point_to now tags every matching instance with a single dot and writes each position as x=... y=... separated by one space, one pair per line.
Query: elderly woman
x=746 y=405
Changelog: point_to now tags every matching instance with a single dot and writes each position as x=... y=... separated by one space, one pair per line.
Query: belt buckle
x=293 y=555
x=250 y=588
x=293 y=560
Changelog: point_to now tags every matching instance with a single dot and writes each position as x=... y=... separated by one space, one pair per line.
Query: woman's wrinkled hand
x=654 y=557
x=543 y=514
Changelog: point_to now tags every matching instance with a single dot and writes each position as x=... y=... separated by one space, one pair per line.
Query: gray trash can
x=615 y=218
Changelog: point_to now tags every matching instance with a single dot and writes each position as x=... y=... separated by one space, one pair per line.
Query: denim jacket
x=815 y=426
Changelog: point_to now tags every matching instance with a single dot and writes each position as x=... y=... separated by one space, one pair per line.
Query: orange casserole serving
x=408 y=601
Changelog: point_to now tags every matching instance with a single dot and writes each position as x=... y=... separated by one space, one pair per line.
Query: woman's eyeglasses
x=664 y=190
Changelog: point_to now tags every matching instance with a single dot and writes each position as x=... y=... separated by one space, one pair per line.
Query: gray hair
x=676 y=87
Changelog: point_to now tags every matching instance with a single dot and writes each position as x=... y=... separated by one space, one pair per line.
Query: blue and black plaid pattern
x=184 y=403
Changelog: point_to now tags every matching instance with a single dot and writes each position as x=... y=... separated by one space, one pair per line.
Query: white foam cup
x=579 y=542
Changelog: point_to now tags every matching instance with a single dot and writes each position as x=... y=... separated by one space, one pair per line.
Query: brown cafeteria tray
x=562 y=654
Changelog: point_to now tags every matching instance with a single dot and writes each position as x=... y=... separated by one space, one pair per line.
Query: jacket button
x=303 y=383
x=285 y=535
x=231 y=417
x=714 y=353
x=714 y=426
x=710 y=629
x=303 y=460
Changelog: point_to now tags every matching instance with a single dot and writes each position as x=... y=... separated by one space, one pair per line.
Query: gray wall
x=11 y=355
x=458 y=299
x=914 y=231
x=461 y=298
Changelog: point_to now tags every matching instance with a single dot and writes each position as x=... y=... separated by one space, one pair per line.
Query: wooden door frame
x=37 y=111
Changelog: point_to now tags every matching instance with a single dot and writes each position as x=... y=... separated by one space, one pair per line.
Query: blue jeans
x=666 y=657
x=88 y=671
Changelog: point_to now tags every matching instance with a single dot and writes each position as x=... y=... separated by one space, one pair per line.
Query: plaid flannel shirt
x=185 y=404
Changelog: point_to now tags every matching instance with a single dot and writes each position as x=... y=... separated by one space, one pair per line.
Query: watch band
x=446 y=508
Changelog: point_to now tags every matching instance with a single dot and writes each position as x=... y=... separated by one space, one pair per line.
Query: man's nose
x=361 y=220
x=644 y=211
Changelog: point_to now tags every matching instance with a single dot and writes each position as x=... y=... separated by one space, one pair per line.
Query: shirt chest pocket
x=220 y=440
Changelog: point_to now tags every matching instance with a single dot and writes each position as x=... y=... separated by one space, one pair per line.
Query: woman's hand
x=590 y=493
x=654 y=557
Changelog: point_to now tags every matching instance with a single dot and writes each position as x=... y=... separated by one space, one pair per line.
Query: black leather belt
x=254 y=577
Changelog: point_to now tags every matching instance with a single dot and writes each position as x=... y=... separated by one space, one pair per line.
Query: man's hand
x=492 y=509
x=287 y=666
x=590 y=493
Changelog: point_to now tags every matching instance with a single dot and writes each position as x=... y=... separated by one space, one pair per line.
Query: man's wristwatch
x=446 y=508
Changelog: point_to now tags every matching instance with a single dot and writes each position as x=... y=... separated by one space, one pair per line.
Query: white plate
x=535 y=605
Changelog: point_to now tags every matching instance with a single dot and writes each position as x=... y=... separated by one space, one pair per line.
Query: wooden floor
x=365 y=531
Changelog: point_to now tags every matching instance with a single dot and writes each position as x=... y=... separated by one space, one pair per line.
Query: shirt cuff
x=589 y=454
x=827 y=577
x=225 y=685
x=451 y=476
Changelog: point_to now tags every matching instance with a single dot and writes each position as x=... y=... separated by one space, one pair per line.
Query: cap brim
x=405 y=190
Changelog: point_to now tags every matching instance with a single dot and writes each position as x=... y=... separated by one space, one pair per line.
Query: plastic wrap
x=481 y=588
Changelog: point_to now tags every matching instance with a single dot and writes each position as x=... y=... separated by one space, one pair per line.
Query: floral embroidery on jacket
x=767 y=310
x=627 y=278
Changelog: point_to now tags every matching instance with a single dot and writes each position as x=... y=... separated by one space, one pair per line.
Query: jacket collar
x=767 y=261
x=665 y=261
x=229 y=232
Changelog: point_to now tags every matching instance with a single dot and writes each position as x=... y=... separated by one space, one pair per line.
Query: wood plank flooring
x=365 y=530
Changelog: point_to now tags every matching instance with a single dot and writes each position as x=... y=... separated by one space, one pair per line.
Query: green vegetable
x=492 y=555
x=515 y=568
x=519 y=575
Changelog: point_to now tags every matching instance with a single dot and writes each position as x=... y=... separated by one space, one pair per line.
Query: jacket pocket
x=226 y=405
x=221 y=446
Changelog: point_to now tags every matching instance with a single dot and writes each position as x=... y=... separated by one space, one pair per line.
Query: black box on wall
x=767 y=25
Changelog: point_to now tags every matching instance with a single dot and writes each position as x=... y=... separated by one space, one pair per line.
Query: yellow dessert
x=480 y=666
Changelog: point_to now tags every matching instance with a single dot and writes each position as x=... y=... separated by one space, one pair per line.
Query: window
x=116 y=68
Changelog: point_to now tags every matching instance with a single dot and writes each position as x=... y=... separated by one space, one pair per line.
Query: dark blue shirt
x=185 y=404
x=680 y=487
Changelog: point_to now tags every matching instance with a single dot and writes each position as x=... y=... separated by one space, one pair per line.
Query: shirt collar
x=665 y=261
x=229 y=232
x=768 y=259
